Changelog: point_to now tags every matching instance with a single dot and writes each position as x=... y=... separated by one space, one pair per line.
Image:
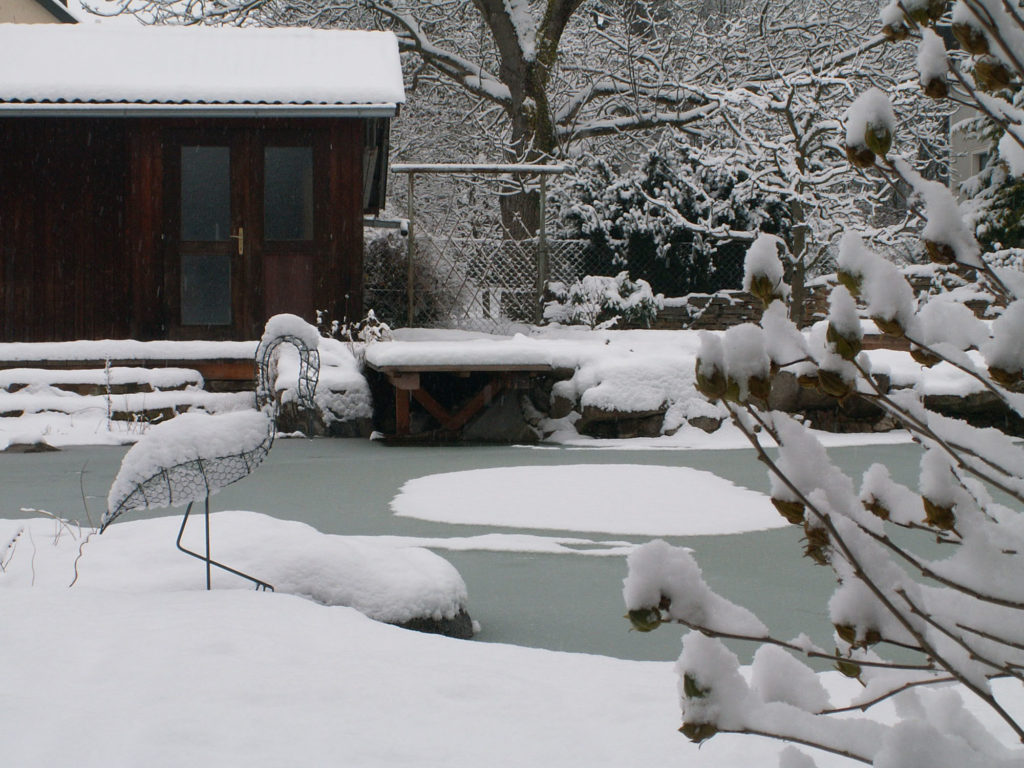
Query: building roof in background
x=58 y=10
x=113 y=68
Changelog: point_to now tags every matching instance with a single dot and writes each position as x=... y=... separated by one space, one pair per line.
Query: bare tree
x=509 y=57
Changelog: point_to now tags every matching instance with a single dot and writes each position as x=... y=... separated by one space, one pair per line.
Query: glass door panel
x=205 y=289
x=289 y=247
x=206 y=244
x=288 y=193
x=205 y=193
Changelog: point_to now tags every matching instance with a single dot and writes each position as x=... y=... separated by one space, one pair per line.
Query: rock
x=980 y=409
x=598 y=422
x=785 y=392
x=349 y=428
x=708 y=423
x=501 y=422
x=561 y=406
x=148 y=415
x=319 y=424
x=459 y=626
x=852 y=414
x=40 y=446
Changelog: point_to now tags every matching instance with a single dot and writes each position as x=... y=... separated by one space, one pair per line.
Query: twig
x=8 y=553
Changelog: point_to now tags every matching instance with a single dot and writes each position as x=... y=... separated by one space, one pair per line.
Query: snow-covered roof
x=53 y=68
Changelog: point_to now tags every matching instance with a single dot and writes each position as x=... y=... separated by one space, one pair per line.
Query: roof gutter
x=20 y=109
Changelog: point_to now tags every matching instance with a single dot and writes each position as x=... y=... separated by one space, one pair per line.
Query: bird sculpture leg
x=206 y=559
x=207 y=500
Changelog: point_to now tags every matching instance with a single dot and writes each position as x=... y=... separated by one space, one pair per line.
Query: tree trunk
x=527 y=76
x=798 y=268
x=533 y=141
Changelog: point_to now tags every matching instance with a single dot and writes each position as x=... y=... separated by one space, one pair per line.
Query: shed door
x=209 y=227
x=293 y=236
x=247 y=229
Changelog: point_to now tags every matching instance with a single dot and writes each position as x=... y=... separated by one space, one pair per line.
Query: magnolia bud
x=937 y=515
x=924 y=357
x=692 y=689
x=644 y=619
x=896 y=32
x=848 y=668
x=936 y=9
x=807 y=380
x=1005 y=378
x=861 y=157
x=698 y=732
x=939 y=253
x=817 y=544
x=847 y=347
x=846 y=633
x=937 y=88
x=876 y=508
x=850 y=281
x=878 y=138
x=759 y=387
x=763 y=288
x=732 y=391
x=793 y=511
x=709 y=380
x=930 y=11
x=971 y=38
x=889 y=326
x=833 y=384
x=991 y=74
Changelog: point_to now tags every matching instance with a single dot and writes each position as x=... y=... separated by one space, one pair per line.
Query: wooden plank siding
x=62 y=192
x=143 y=233
x=85 y=249
x=341 y=291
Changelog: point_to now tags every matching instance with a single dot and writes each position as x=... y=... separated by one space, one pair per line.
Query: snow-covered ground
x=43 y=411
x=138 y=665
x=629 y=371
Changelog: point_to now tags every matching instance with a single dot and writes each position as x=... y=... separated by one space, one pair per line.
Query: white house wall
x=967 y=153
x=25 y=12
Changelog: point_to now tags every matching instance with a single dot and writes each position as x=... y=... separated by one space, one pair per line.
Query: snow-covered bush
x=386 y=281
x=601 y=302
x=928 y=609
x=669 y=221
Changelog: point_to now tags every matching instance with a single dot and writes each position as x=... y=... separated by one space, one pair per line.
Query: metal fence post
x=410 y=275
x=542 y=254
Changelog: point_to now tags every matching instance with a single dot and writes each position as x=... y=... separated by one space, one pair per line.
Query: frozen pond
x=566 y=602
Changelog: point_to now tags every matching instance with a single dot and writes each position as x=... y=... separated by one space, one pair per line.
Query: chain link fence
x=466 y=273
x=482 y=284
x=488 y=284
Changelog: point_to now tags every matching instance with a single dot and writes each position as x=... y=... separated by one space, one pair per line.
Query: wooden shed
x=184 y=183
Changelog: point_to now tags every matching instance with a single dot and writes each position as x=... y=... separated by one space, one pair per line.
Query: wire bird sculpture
x=194 y=455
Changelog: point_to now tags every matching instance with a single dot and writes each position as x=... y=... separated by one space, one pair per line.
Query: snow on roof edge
x=85 y=64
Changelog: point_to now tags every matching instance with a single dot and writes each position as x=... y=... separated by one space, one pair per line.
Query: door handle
x=240 y=237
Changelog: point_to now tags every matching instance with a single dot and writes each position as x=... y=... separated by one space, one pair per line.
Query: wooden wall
x=63 y=270
x=83 y=240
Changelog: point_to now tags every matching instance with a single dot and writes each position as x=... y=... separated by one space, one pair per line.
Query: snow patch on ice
x=611 y=498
